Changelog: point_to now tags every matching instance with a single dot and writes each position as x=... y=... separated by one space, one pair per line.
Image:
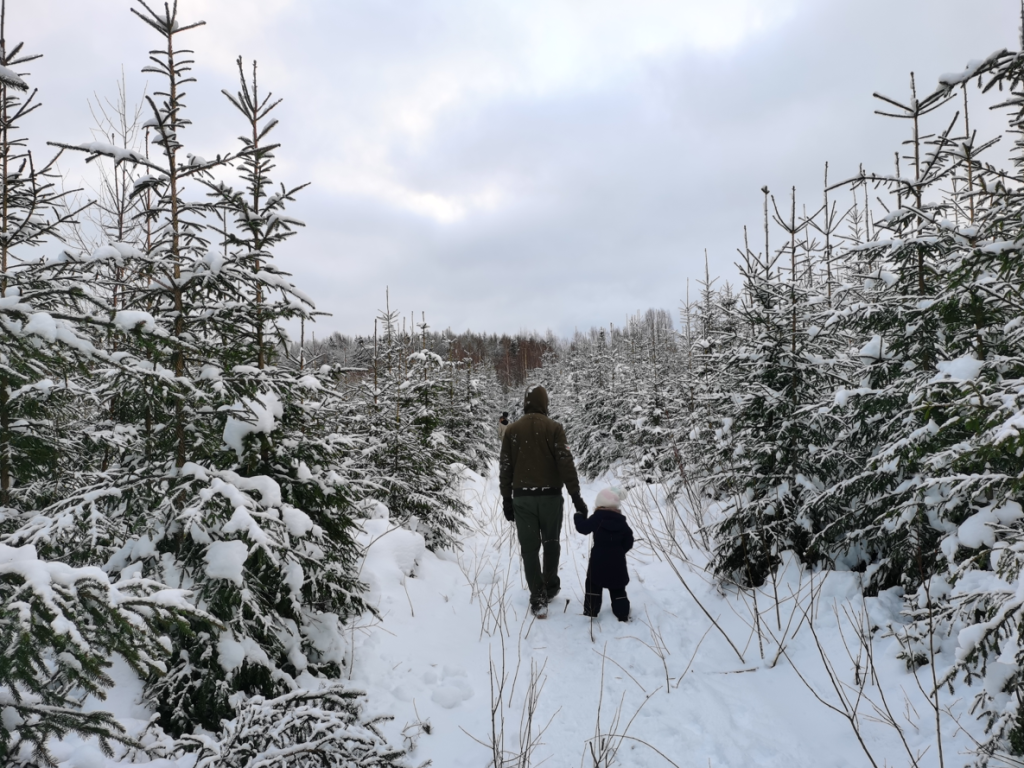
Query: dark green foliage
x=59 y=628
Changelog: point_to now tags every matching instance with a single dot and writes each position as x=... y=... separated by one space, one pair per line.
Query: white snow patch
x=225 y=560
x=264 y=412
x=12 y=79
x=131 y=320
x=294 y=578
x=296 y=521
x=230 y=652
x=43 y=325
x=10 y=718
x=392 y=553
x=874 y=350
x=978 y=529
x=961 y=369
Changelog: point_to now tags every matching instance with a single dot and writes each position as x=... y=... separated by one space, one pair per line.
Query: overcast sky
x=527 y=164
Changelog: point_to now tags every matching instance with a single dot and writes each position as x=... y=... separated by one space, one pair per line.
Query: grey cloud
x=585 y=200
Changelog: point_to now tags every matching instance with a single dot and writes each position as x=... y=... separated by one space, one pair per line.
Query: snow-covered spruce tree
x=878 y=506
x=39 y=303
x=971 y=475
x=99 y=241
x=60 y=628
x=414 y=466
x=113 y=217
x=656 y=397
x=303 y=450
x=219 y=476
x=766 y=444
x=465 y=401
x=468 y=415
x=600 y=423
x=710 y=331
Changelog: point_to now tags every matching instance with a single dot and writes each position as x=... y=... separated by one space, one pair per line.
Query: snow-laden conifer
x=765 y=460
x=414 y=462
x=877 y=503
x=599 y=425
x=971 y=476
x=40 y=301
x=704 y=382
x=223 y=470
x=656 y=395
x=304 y=728
x=60 y=628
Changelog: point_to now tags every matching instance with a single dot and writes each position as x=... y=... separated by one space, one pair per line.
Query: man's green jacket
x=534 y=452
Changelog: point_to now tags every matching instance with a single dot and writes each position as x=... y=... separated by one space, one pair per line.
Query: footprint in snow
x=451 y=688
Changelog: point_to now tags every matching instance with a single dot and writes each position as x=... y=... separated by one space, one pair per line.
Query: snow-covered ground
x=473 y=680
x=468 y=673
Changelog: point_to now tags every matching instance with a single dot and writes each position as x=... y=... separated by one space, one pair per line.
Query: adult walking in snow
x=535 y=463
x=502 y=426
x=613 y=538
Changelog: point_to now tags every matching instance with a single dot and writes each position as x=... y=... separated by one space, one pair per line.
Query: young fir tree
x=413 y=465
x=40 y=302
x=709 y=379
x=222 y=476
x=656 y=397
x=704 y=381
x=304 y=451
x=971 y=476
x=877 y=504
x=59 y=626
x=314 y=728
x=770 y=431
x=467 y=416
x=599 y=426
x=105 y=231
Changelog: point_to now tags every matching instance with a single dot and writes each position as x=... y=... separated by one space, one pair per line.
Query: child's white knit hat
x=610 y=498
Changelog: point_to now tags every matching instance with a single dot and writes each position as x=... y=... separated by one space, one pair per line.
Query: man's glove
x=581 y=507
x=508 y=509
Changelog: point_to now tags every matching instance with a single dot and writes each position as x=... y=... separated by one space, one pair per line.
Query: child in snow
x=613 y=538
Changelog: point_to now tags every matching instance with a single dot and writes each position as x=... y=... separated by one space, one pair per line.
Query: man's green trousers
x=539 y=524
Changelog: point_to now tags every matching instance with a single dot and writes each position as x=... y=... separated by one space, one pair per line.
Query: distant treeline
x=512 y=357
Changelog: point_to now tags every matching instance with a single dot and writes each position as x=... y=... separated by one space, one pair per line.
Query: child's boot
x=620 y=604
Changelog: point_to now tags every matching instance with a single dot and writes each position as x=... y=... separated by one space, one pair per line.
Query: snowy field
x=473 y=679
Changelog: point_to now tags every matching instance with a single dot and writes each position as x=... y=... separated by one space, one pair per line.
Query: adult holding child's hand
x=535 y=463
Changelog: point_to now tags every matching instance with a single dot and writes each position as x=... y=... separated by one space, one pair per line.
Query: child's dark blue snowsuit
x=613 y=538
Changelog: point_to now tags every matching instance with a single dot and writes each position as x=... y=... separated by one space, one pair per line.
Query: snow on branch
x=9 y=78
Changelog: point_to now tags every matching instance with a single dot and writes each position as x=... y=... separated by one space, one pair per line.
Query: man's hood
x=536 y=400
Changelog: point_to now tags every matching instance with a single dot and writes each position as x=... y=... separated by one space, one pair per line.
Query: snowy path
x=453 y=627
